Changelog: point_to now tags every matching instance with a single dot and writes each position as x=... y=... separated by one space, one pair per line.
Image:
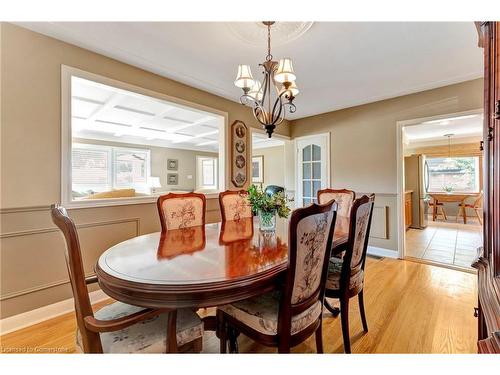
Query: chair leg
x=222 y=333
x=478 y=216
x=284 y=348
x=319 y=338
x=344 y=317
x=362 y=311
x=334 y=310
x=443 y=213
x=233 y=339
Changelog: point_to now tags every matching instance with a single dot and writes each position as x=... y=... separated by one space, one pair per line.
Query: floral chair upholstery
x=261 y=314
x=148 y=336
x=346 y=276
x=179 y=211
x=234 y=205
x=356 y=253
x=343 y=198
x=310 y=239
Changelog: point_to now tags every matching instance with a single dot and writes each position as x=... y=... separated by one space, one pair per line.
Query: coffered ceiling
x=338 y=64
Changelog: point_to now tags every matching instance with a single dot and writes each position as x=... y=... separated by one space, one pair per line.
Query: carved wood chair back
x=310 y=242
x=83 y=308
x=342 y=197
x=234 y=205
x=179 y=211
x=357 y=244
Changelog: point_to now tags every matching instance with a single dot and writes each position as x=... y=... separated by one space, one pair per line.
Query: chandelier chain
x=269 y=57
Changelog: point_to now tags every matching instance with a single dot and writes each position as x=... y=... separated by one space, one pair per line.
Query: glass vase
x=267 y=221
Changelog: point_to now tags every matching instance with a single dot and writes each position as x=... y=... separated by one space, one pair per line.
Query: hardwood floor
x=411 y=308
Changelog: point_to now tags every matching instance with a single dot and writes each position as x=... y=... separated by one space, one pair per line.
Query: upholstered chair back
x=178 y=211
x=234 y=205
x=361 y=216
x=90 y=340
x=343 y=197
x=310 y=242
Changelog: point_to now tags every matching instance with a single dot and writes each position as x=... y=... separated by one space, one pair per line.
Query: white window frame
x=199 y=172
x=477 y=182
x=113 y=150
x=67 y=73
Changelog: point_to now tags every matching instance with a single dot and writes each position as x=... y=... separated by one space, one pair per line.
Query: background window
x=460 y=174
x=206 y=172
x=97 y=168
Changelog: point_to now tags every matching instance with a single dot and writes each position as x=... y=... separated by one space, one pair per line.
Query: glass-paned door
x=311 y=169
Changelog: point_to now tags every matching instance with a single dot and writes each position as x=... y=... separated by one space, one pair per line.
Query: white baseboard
x=28 y=318
x=381 y=252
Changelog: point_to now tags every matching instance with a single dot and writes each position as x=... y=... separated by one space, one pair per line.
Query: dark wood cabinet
x=488 y=261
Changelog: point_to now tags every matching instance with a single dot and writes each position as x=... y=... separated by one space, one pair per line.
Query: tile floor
x=447 y=242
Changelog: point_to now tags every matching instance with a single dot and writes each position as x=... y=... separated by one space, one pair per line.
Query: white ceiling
x=462 y=128
x=338 y=64
x=107 y=113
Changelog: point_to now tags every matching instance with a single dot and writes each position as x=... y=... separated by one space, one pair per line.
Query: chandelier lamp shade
x=272 y=97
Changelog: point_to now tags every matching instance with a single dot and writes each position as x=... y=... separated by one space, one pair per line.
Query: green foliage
x=260 y=201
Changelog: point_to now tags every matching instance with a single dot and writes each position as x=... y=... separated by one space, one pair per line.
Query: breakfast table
x=202 y=266
x=450 y=197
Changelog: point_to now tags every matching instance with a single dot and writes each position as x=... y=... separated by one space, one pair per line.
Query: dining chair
x=477 y=206
x=345 y=277
x=119 y=327
x=292 y=312
x=342 y=197
x=439 y=207
x=183 y=210
x=234 y=205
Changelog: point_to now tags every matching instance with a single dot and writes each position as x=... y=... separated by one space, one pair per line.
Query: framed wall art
x=239 y=153
x=172 y=164
x=172 y=179
x=258 y=169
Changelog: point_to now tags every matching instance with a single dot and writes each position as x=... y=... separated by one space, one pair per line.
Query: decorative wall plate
x=239 y=153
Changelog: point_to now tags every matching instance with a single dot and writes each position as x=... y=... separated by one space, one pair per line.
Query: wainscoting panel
x=379 y=222
x=33 y=270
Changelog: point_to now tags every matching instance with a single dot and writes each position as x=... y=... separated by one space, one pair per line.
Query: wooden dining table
x=202 y=266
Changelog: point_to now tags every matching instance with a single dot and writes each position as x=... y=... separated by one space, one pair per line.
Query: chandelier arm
x=264 y=89
x=277 y=110
x=245 y=98
x=282 y=105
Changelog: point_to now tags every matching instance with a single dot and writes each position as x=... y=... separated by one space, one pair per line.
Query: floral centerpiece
x=268 y=206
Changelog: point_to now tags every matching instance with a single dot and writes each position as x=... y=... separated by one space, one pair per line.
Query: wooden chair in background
x=179 y=211
x=342 y=197
x=436 y=207
x=346 y=276
x=234 y=205
x=118 y=327
x=290 y=314
x=477 y=206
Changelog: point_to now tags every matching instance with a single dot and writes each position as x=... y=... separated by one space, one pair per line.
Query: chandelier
x=272 y=97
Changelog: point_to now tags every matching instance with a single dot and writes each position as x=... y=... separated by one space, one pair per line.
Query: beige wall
x=33 y=273
x=159 y=155
x=274 y=161
x=363 y=142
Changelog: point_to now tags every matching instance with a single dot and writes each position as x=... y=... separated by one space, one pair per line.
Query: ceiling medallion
x=274 y=96
x=254 y=33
